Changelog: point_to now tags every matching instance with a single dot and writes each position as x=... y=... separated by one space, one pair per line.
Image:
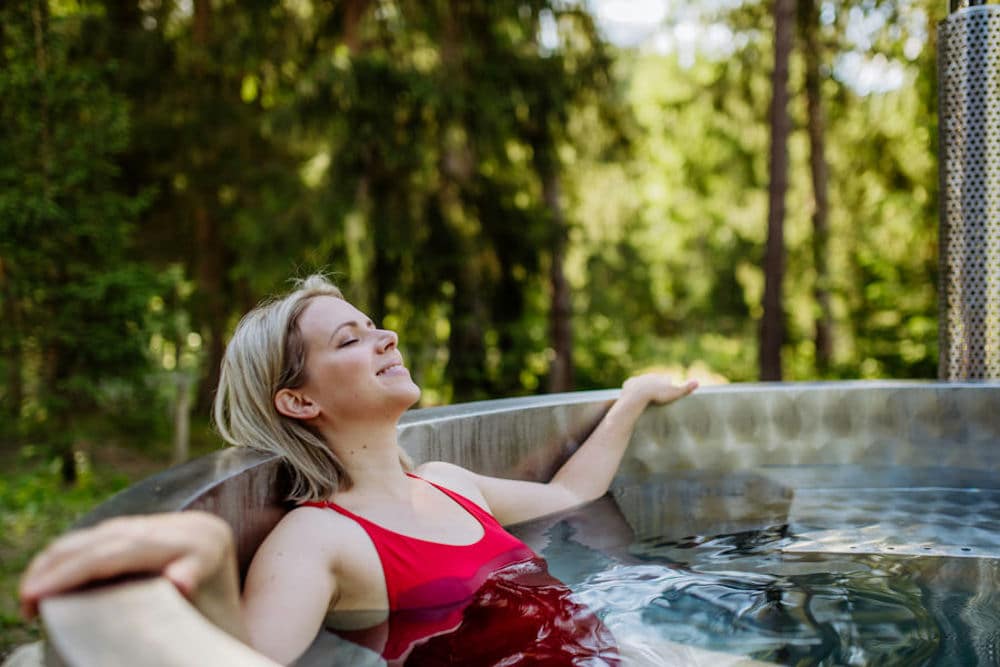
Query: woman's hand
x=194 y=550
x=655 y=388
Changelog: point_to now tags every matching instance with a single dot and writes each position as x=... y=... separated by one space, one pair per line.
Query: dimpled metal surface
x=735 y=457
x=969 y=75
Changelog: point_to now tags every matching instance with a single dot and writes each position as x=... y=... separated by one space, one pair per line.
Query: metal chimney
x=969 y=122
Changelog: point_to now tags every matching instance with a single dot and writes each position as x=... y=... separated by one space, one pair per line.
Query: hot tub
x=825 y=479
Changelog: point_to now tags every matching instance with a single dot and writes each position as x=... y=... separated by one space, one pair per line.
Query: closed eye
x=349 y=326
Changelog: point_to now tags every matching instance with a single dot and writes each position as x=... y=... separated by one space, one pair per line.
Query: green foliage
x=163 y=171
x=77 y=304
x=669 y=262
x=35 y=506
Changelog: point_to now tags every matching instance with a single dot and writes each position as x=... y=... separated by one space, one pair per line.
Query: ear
x=295 y=404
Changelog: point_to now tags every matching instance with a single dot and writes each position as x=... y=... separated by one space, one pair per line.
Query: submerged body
x=420 y=573
x=484 y=602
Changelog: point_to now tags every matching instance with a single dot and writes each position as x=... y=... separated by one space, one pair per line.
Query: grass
x=35 y=507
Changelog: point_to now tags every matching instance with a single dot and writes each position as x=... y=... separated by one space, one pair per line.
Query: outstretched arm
x=585 y=476
x=588 y=473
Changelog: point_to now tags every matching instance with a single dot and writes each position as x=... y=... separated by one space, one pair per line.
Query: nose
x=387 y=340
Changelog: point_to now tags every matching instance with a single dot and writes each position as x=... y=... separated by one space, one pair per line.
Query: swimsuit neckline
x=447 y=492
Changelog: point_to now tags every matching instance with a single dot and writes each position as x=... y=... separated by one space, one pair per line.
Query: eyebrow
x=349 y=323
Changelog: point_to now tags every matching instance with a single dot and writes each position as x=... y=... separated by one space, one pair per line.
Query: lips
x=390 y=367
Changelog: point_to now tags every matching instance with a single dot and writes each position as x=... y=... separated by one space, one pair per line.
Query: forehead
x=323 y=314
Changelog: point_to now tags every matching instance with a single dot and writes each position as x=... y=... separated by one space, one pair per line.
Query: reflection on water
x=739 y=594
x=520 y=616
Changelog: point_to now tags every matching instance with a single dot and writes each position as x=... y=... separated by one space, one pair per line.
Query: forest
x=537 y=195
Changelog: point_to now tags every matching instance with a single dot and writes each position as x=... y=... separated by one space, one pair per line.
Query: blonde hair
x=265 y=355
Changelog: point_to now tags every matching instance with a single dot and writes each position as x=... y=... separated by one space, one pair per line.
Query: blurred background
x=537 y=195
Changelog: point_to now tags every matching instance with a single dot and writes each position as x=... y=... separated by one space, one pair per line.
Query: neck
x=370 y=455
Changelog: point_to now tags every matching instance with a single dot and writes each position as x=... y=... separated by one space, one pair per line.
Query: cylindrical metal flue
x=969 y=121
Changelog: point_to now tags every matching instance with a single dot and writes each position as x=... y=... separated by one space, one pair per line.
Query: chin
x=415 y=395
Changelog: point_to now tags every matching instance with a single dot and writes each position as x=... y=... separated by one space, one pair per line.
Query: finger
x=29 y=609
x=82 y=542
x=121 y=546
x=685 y=389
x=52 y=558
x=111 y=558
x=186 y=573
x=64 y=547
x=675 y=392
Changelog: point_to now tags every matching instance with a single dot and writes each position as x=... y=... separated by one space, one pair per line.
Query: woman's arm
x=289 y=587
x=585 y=476
x=193 y=550
x=588 y=473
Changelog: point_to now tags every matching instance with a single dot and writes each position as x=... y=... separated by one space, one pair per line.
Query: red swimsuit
x=488 y=602
x=421 y=574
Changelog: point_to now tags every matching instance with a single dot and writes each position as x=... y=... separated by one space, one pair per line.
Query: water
x=520 y=617
x=801 y=565
x=829 y=565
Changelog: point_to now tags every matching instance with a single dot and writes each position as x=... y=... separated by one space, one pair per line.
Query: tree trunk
x=809 y=17
x=561 y=311
x=10 y=341
x=354 y=11
x=57 y=371
x=202 y=22
x=772 y=323
x=40 y=25
x=470 y=313
x=466 y=347
x=211 y=253
x=363 y=272
x=182 y=415
x=14 y=382
x=211 y=283
x=58 y=374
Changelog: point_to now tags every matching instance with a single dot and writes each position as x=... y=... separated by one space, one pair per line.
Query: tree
x=812 y=50
x=226 y=202
x=772 y=322
x=78 y=303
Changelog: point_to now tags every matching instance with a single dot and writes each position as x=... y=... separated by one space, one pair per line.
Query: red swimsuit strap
x=476 y=510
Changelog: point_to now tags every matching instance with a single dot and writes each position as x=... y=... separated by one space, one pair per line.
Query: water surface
x=824 y=565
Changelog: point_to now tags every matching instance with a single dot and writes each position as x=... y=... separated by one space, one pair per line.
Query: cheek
x=350 y=375
x=341 y=378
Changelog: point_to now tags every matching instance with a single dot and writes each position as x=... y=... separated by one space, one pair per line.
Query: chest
x=382 y=568
x=385 y=550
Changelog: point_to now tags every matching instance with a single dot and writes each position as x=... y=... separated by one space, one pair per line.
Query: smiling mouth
x=389 y=368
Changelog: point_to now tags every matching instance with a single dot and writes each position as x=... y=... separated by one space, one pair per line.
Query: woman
x=312 y=379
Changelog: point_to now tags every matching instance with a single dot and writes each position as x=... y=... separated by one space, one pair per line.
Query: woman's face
x=354 y=372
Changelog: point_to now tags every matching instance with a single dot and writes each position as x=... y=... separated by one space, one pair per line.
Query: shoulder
x=325 y=531
x=447 y=474
x=454 y=478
